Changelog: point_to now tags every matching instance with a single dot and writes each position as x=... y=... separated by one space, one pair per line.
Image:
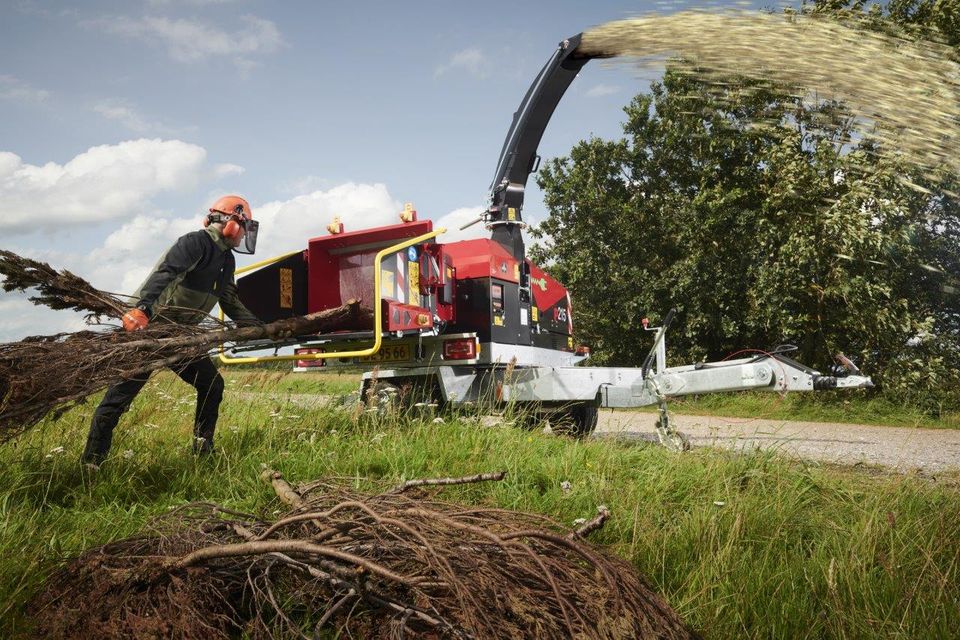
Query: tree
x=763 y=220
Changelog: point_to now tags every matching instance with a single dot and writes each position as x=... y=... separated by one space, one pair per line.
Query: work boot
x=202 y=446
x=96 y=450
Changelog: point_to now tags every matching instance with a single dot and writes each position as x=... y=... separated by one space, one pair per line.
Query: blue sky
x=121 y=121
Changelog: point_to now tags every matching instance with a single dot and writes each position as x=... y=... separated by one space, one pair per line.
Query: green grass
x=743 y=546
x=852 y=407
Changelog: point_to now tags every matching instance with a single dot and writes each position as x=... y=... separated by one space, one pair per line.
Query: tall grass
x=744 y=546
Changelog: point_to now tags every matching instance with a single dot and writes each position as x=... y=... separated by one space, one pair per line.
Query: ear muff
x=232 y=230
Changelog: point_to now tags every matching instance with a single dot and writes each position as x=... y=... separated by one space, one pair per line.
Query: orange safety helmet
x=237 y=216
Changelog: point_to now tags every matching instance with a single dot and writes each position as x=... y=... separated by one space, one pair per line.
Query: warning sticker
x=286 y=288
x=387 y=284
x=413 y=278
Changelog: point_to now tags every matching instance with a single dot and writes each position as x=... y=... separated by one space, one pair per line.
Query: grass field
x=743 y=546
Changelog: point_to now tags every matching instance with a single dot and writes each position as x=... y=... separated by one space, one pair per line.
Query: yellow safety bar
x=377 y=313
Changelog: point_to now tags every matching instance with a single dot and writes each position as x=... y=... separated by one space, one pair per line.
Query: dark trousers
x=201 y=373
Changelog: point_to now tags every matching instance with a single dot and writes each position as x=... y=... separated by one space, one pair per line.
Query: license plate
x=389 y=353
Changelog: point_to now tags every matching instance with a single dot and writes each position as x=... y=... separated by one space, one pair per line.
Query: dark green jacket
x=191 y=278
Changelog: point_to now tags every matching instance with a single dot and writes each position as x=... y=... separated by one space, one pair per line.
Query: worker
x=195 y=274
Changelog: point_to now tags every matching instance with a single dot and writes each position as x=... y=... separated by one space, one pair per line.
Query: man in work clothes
x=193 y=276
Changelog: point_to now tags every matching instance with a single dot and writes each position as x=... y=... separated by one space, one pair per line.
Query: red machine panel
x=405 y=317
x=551 y=301
x=340 y=266
x=482 y=258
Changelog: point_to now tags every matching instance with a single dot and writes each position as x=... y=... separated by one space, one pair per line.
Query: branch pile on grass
x=372 y=566
x=41 y=374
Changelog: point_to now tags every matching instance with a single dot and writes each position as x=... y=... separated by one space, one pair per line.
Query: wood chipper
x=476 y=321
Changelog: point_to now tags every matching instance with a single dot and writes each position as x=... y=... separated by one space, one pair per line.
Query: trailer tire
x=579 y=420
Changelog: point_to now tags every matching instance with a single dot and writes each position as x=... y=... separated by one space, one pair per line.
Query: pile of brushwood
x=392 y=565
x=41 y=374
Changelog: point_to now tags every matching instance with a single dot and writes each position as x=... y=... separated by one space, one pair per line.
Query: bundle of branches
x=41 y=374
x=50 y=373
x=373 y=566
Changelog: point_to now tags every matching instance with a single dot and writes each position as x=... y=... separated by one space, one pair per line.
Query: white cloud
x=103 y=183
x=22 y=318
x=456 y=219
x=600 y=90
x=190 y=41
x=227 y=169
x=125 y=258
x=127 y=115
x=472 y=61
x=304 y=184
x=285 y=225
x=16 y=90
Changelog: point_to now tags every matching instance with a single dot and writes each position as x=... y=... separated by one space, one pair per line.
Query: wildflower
x=579 y=521
x=57 y=451
x=128 y=454
x=566 y=486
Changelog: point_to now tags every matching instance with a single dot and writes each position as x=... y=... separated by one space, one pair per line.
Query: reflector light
x=460 y=349
x=309 y=363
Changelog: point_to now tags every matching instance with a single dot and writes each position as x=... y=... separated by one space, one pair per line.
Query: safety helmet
x=237 y=218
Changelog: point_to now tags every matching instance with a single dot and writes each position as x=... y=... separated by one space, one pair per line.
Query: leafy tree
x=764 y=221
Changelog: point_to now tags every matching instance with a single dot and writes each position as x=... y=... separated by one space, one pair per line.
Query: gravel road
x=900 y=448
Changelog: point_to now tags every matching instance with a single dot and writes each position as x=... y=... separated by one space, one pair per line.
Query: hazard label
x=286 y=288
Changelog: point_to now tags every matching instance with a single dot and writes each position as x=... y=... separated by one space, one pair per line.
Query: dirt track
x=900 y=448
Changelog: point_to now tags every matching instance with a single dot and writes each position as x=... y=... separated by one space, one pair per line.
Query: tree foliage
x=764 y=220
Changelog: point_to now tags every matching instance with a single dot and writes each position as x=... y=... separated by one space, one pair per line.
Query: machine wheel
x=578 y=420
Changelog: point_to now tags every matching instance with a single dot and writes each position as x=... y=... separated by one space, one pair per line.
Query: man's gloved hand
x=135 y=320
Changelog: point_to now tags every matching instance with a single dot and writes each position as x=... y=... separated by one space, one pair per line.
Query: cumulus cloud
x=16 y=90
x=127 y=115
x=21 y=318
x=600 y=90
x=190 y=41
x=285 y=225
x=472 y=61
x=456 y=219
x=103 y=183
x=125 y=258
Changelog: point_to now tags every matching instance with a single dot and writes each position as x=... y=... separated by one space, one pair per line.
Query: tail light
x=460 y=349
x=308 y=363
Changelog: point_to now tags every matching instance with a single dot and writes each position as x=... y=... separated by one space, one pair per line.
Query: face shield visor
x=248 y=244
